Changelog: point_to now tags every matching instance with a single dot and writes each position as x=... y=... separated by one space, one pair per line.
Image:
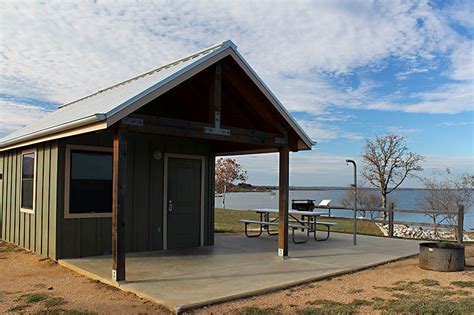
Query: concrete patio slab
x=238 y=267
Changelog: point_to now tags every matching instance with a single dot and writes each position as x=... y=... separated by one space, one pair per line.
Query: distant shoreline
x=305 y=188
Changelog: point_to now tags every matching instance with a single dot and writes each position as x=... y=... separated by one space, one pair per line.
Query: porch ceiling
x=237 y=267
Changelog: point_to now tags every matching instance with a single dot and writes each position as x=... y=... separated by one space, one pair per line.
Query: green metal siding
x=33 y=232
x=48 y=233
x=82 y=237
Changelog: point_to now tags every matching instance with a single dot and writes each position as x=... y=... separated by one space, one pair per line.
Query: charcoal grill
x=302 y=204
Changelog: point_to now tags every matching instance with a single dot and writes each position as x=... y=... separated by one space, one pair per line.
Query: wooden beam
x=215 y=99
x=194 y=129
x=248 y=151
x=119 y=190
x=283 y=202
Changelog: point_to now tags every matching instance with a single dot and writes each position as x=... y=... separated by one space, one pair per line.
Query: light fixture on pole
x=354 y=227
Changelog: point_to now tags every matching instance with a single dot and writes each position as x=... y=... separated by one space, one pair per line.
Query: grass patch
x=409 y=286
x=424 y=297
x=226 y=221
x=33 y=297
x=463 y=284
x=255 y=310
x=332 y=307
x=17 y=308
x=428 y=282
x=410 y=305
x=52 y=302
x=7 y=247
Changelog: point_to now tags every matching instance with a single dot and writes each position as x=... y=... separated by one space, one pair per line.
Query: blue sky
x=347 y=70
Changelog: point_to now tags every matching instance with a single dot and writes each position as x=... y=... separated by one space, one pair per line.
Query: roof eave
x=54 y=132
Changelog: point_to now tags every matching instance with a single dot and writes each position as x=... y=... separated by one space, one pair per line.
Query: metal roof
x=115 y=102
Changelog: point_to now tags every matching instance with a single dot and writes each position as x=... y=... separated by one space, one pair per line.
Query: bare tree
x=388 y=162
x=228 y=171
x=445 y=192
x=367 y=201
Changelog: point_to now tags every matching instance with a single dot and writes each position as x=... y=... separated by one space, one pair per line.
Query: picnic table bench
x=309 y=225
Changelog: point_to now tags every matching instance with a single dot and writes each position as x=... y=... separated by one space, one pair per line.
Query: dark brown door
x=184 y=202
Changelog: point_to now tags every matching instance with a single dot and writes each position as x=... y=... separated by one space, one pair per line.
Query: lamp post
x=354 y=227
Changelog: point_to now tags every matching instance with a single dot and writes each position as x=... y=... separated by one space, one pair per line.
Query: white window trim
x=26 y=210
x=67 y=179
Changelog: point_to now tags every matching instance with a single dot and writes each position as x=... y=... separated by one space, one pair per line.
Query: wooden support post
x=460 y=228
x=283 y=202
x=215 y=95
x=119 y=190
x=390 y=220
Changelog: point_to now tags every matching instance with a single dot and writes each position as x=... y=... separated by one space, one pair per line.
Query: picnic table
x=303 y=220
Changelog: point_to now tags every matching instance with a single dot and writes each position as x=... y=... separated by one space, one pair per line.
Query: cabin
x=130 y=168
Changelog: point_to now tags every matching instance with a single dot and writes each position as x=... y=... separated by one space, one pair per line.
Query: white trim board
x=35 y=161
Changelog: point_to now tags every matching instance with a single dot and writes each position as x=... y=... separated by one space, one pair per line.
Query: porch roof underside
x=104 y=108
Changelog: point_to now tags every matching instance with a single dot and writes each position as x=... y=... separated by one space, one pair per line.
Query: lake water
x=404 y=199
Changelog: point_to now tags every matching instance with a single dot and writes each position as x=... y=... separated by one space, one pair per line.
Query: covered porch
x=237 y=267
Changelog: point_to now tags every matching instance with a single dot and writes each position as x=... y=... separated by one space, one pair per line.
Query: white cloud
x=14 y=115
x=323 y=132
x=306 y=168
x=313 y=168
x=463 y=62
x=448 y=99
x=405 y=74
x=461 y=12
x=458 y=164
x=455 y=124
x=334 y=117
x=60 y=51
x=63 y=50
x=400 y=130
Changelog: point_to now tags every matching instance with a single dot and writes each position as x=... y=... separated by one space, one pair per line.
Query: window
x=28 y=170
x=88 y=182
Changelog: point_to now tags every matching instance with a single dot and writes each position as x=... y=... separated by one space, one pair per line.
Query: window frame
x=67 y=181
x=25 y=152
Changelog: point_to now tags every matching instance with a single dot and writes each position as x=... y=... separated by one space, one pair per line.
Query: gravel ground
x=30 y=283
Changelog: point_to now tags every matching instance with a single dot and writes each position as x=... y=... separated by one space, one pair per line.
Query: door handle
x=170 y=205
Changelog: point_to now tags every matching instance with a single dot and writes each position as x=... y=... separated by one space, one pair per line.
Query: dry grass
x=226 y=221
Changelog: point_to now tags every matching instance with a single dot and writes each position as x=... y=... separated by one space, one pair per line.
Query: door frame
x=165 y=193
